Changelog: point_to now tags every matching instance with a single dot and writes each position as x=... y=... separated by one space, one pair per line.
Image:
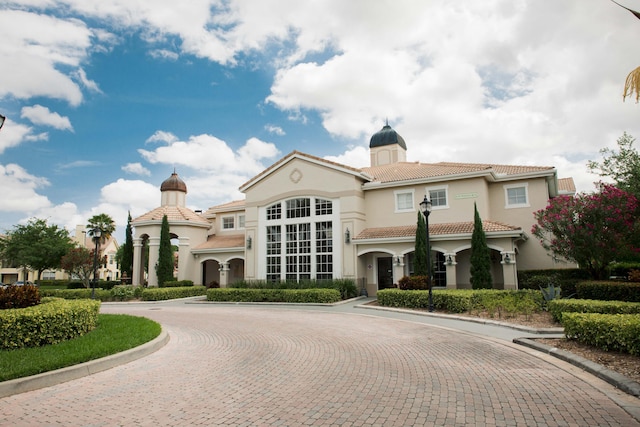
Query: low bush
x=566 y=278
x=177 y=284
x=19 y=296
x=558 y=308
x=274 y=295
x=125 y=292
x=52 y=321
x=84 y=293
x=162 y=294
x=408 y=283
x=346 y=287
x=609 y=332
x=609 y=291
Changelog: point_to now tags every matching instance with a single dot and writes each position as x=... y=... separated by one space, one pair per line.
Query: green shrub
x=76 y=285
x=622 y=269
x=84 y=293
x=274 y=295
x=52 y=321
x=19 y=296
x=346 y=287
x=177 y=284
x=566 y=278
x=61 y=283
x=162 y=294
x=558 y=308
x=609 y=291
x=609 y=332
x=123 y=292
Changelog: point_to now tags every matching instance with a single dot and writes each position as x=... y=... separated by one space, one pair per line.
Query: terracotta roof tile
x=566 y=186
x=173 y=213
x=233 y=205
x=222 y=242
x=434 y=230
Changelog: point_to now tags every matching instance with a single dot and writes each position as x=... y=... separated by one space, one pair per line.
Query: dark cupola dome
x=386 y=136
x=173 y=183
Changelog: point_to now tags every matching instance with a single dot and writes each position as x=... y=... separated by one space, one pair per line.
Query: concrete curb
x=619 y=381
x=47 y=379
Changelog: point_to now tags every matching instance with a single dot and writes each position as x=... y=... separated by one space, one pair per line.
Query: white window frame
x=411 y=194
x=428 y=191
x=508 y=205
x=233 y=222
x=241 y=220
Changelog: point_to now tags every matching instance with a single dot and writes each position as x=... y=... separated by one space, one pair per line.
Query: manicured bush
x=609 y=291
x=19 y=296
x=84 y=293
x=125 y=292
x=274 y=295
x=162 y=294
x=558 y=308
x=52 y=321
x=610 y=332
x=346 y=287
x=566 y=278
x=407 y=283
x=177 y=284
x=76 y=285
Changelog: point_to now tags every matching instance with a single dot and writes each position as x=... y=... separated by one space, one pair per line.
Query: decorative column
x=450 y=262
x=398 y=268
x=154 y=255
x=224 y=274
x=136 y=275
x=184 y=259
x=509 y=270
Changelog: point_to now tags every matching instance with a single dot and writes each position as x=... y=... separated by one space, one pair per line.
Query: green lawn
x=114 y=333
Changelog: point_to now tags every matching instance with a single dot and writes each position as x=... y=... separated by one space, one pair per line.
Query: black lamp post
x=425 y=207
x=95 y=234
x=2 y=119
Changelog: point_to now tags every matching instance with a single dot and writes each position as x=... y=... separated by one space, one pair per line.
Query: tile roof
x=407 y=171
x=434 y=230
x=173 y=213
x=222 y=242
x=566 y=186
x=233 y=205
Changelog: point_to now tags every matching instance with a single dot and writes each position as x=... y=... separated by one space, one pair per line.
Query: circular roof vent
x=386 y=136
x=173 y=183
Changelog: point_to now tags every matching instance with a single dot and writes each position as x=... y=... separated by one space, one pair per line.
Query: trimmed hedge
x=52 y=321
x=610 y=332
x=346 y=287
x=326 y=296
x=566 y=278
x=19 y=296
x=161 y=294
x=558 y=308
x=609 y=291
x=177 y=284
x=84 y=293
x=465 y=300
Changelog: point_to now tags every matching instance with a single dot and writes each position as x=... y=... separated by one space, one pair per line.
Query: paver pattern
x=265 y=366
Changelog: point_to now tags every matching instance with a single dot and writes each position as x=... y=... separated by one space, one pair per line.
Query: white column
x=224 y=274
x=184 y=259
x=154 y=255
x=136 y=278
x=450 y=262
x=509 y=270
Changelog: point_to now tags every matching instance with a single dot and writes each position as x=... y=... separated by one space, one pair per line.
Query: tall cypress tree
x=420 y=261
x=164 y=269
x=480 y=255
x=126 y=263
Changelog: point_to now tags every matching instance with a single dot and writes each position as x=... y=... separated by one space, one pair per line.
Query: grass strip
x=113 y=334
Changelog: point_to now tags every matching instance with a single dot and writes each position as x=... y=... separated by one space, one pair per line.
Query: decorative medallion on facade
x=295 y=176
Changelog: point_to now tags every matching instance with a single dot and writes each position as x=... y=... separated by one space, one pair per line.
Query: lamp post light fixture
x=2 y=119
x=95 y=234
x=425 y=207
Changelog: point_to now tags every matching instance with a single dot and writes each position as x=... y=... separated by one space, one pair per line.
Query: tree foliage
x=420 y=261
x=105 y=223
x=590 y=229
x=125 y=251
x=622 y=166
x=164 y=269
x=79 y=262
x=480 y=255
x=35 y=246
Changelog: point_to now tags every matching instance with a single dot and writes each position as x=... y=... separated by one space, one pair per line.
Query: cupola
x=386 y=146
x=173 y=190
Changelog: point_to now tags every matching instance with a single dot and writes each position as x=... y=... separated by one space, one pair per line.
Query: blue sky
x=105 y=98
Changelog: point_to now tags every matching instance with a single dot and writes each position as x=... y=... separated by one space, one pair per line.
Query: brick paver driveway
x=250 y=365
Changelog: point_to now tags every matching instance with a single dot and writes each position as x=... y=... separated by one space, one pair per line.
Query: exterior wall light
x=249 y=242
x=347 y=236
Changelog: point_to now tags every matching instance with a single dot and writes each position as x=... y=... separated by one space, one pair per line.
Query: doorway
x=385 y=273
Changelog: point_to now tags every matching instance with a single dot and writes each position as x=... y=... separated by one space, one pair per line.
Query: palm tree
x=632 y=84
x=103 y=222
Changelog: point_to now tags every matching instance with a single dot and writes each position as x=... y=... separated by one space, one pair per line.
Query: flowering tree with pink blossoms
x=590 y=229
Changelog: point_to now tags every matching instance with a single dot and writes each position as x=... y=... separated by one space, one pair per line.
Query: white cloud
x=136 y=169
x=39 y=115
x=277 y=130
x=13 y=134
x=162 y=136
x=19 y=190
x=164 y=54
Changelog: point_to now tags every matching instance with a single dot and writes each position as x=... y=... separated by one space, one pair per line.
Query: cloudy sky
x=105 y=98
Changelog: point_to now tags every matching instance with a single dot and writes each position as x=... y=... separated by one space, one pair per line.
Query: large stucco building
x=307 y=217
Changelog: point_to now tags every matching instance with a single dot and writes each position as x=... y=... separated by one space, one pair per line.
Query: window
x=299 y=244
x=240 y=221
x=404 y=201
x=227 y=223
x=48 y=275
x=438 y=197
x=516 y=196
x=298 y=208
